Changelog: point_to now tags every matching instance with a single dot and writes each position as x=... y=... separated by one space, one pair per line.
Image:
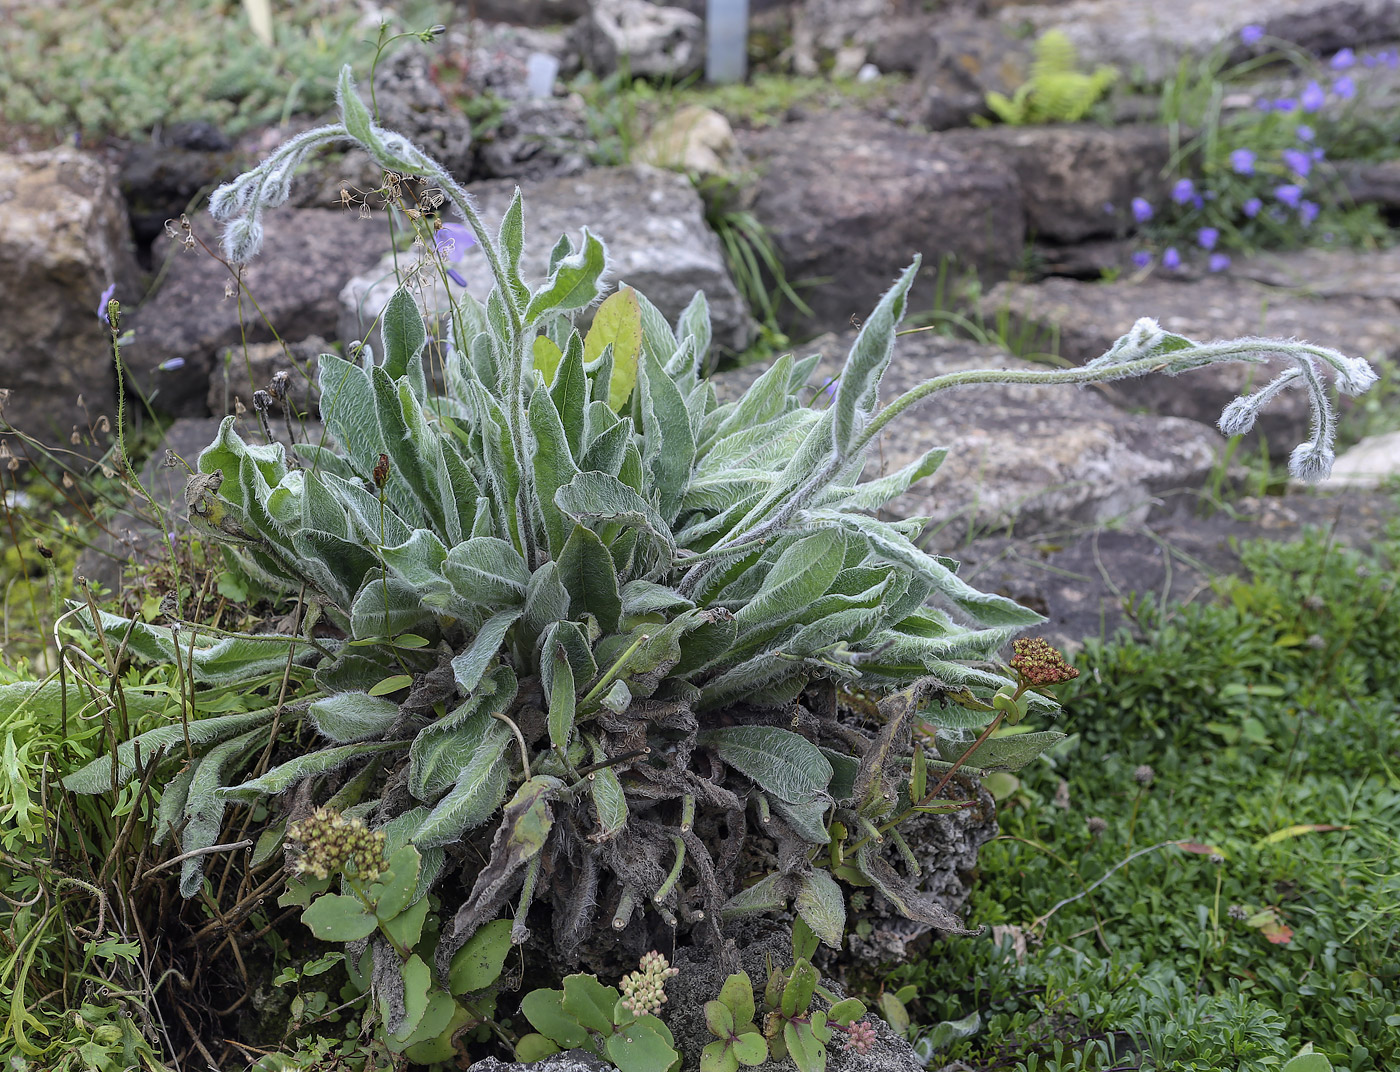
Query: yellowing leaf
x=619 y=322
x=547 y=358
x=1299 y=830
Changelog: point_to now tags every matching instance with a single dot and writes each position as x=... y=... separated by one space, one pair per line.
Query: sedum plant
x=576 y=627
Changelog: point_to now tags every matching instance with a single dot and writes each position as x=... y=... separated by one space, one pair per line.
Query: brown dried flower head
x=1040 y=664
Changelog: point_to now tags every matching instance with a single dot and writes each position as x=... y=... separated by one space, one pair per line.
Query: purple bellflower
x=452 y=241
x=1242 y=161
x=1142 y=209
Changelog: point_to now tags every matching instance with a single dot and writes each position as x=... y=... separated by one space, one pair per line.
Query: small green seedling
x=591 y=1016
x=730 y=1020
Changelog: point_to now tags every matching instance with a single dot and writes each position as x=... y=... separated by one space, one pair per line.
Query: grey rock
x=1373 y=184
x=849 y=200
x=64 y=239
x=957 y=63
x=1020 y=458
x=307 y=256
x=411 y=103
x=161 y=181
x=1370 y=463
x=1372 y=275
x=1077 y=180
x=1088 y=318
x=652 y=221
x=241 y=370
x=1093 y=582
x=529 y=12
x=537 y=139
x=822 y=29
x=134 y=536
x=652 y=41
x=1151 y=40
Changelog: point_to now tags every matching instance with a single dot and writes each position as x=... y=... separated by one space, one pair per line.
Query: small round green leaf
x=719 y=1057
x=751 y=1048
x=391 y=684
x=847 y=1012
x=545 y=1011
x=534 y=1048
x=478 y=963
x=719 y=1019
x=645 y=1046
x=336 y=917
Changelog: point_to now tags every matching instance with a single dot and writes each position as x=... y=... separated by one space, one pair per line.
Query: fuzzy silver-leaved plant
x=571 y=611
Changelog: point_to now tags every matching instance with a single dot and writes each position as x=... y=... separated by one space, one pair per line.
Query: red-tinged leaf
x=1278 y=933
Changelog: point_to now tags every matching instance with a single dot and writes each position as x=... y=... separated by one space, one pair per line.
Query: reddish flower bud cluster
x=332 y=843
x=860 y=1037
x=1040 y=664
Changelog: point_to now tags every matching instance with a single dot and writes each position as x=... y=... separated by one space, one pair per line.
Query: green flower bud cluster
x=331 y=843
x=644 y=991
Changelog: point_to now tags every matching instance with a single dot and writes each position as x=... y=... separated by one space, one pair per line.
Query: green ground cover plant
x=1232 y=805
x=101 y=69
x=550 y=628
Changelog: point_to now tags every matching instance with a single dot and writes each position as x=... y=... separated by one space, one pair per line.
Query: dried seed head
x=1040 y=664
x=1097 y=826
x=1144 y=775
x=381 y=471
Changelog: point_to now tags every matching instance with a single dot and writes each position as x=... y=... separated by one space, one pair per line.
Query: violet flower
x=1142 y=209
x=1307 y=212
x=1297 y=160
x=1206 y=237
x=452 y=241
x=1219 y=262
x=1251 y=207
x=1305 y=133
x=1343 y=59
x=1171 y=258
x=1242 y=161
x=102 y=302
x=1141 y=259
x=1313 y=97
x=1344 y=87
x=1252 y=34
x=1183 y=191
x=1290 y=194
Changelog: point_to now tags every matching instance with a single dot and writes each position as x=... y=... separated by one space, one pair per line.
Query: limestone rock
x=536 y=139
x=849 y=200
x=1077 y=180
x=1087 y=318
x=652 y=41
x=652 y=221
x=530 y=12
x=1020 y=458
x=956 y=64
x=1153 y=39
x=1372 y=462
x=64 y=240
x=694 y=141
x=307 y=256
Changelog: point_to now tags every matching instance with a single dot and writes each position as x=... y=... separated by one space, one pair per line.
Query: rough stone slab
x=1077 y=180
x=1020 y=458
x=1331 y=274
x=1081 y=578
x=307 y=256
x=239 y=371
x=63 y=239
x=1372 y=462
x=651 y=40
x=653 y=222
x=1089 y=317
x=1151 y=39
x=849 y=199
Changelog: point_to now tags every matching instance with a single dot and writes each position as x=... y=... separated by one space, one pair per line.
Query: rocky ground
x=1065 y=499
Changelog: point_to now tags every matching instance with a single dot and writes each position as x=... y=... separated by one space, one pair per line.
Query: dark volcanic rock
x=849 y=200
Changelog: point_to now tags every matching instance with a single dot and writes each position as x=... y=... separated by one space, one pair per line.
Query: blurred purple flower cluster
x=1264 y=180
